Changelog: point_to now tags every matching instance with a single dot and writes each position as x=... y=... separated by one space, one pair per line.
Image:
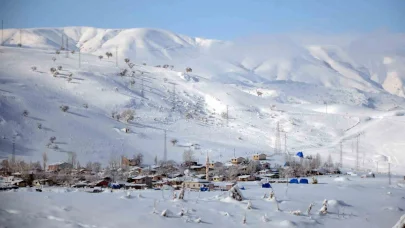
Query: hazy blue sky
x=220 y=19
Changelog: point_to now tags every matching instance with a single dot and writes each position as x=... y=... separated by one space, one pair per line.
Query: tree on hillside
x=96 y=166
x=188 y=69
x=188 y=156
x=128 y=115
x=89 y=166
x=126 y=60
x=138 y=159
x=100 y=57
x=174 y=141
x=108 y=54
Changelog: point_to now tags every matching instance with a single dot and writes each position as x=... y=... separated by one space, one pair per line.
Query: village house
x=39 y=182
x=217 y=178
x=246 y=178
x=156 y=177
x=237 y=161
x=224 y=186
x=135 y=186
x=142 y=180
x=243 y=170
x=58 y=166
x=128 y=162
x=196 y=184
x=200 y=169
x=257 y=157
x=14 y=181
x=213 y=165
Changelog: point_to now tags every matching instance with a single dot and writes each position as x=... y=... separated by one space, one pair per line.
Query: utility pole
x=2 y=31
x=165 y=149
x=20 y=39
x=67 y=47
x=61 y=46
x=389 y=173
x=357 y=153
x=285 y=142
x=174 y=96
x=326 y=107
x=142 y=88
x=116 y=56
x=13 y=154
x=277 y=143
x=341 y=156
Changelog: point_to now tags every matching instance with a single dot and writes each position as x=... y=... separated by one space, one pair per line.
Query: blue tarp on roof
x=300 y=154
x=203 y=189
x=303 y=181
x=266 y=185
x=294 y=181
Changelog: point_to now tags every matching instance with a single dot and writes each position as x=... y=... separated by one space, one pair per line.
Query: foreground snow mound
x=400 y=223
x=341 y=179
x=337 y=203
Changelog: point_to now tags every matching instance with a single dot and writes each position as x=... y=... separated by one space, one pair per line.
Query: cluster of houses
x=132 y=176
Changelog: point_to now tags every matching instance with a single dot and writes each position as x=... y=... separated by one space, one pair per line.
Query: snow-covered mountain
x=362 y=87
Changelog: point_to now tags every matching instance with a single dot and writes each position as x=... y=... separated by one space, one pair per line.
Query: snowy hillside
x=294 y=81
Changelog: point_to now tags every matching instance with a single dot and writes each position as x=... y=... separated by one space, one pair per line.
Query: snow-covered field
x=352 y=202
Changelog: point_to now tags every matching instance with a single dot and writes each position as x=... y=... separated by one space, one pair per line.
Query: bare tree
x=52 y=139
x=100 y=57
x=64 y=108
x=89 y=166
x=44 y=159
x=188 y=156
x=138 y=159
x=188 y=69
x=96 y=166
x=128 y=115
x=174 y=141
x=127 y=60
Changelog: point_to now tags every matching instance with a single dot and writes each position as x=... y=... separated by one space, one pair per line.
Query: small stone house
x=196 y=184
x=218 y=178
x=55 y=167
x=213 y=165
x=246 y=178
x=237 y=161
x=258 y=157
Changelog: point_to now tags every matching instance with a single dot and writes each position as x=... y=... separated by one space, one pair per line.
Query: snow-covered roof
x=138 y=177
x=134 y=185
x=197 y=166
x=223 y=184
x=196 y=180
x=244 y=176
x=57 y=163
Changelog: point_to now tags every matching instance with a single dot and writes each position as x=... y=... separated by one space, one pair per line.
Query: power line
x=341 y=155
x=389 y=173
x=2 y=31
x=165 y=149
x=277 y=142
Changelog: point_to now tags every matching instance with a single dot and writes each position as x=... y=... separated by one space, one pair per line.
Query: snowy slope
x=294 y=86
